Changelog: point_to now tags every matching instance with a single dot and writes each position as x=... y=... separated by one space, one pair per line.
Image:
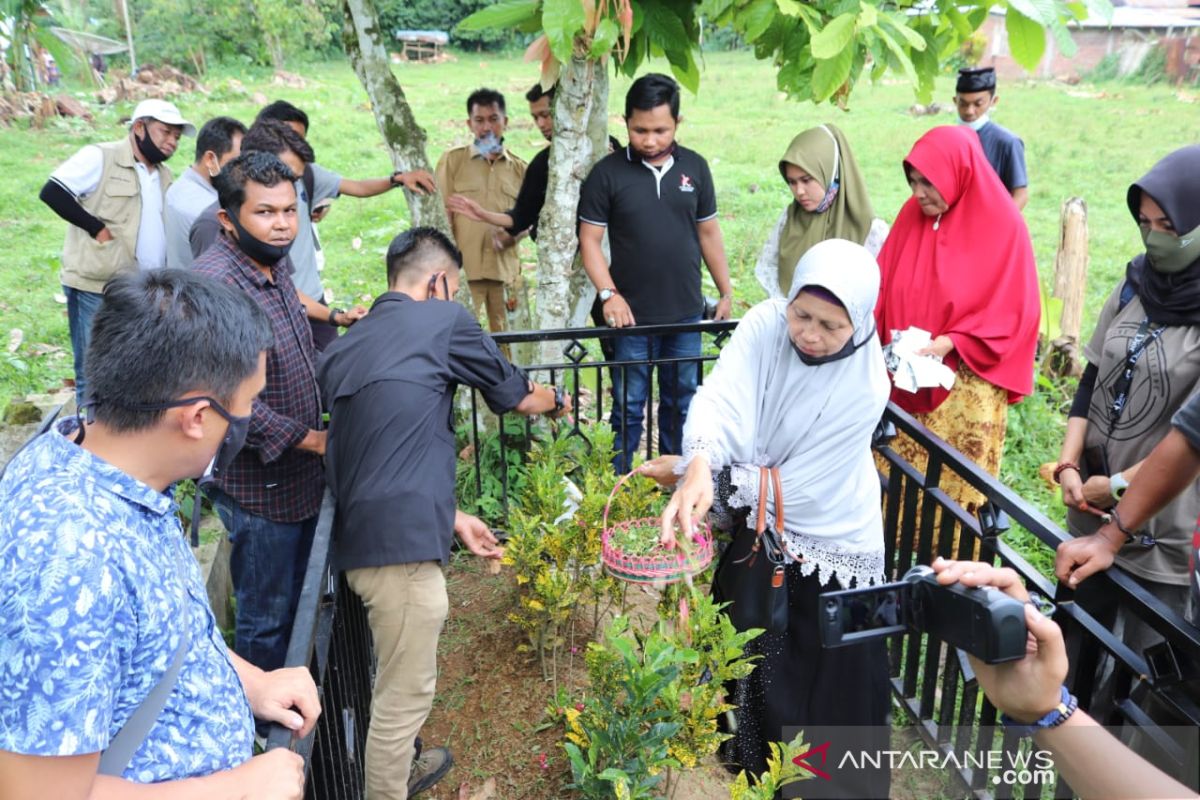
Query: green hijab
x=850 y=214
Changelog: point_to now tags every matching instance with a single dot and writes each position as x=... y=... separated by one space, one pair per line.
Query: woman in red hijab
x=959 y=264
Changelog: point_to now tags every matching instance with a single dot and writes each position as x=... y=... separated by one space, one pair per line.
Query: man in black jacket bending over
x=389 y=384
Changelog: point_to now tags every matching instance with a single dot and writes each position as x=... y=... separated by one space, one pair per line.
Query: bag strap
x=120 y=750
x=761 y=524
x=777 y=486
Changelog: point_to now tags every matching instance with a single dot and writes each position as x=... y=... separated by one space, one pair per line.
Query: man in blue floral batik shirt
x=104 y=619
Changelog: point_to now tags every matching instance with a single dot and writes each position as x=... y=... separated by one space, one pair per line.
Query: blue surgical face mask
x=489 y=144
x=978 y=123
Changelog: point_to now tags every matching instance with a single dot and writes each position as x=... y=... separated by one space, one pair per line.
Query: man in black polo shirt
x=658 y=203
x=390 y=452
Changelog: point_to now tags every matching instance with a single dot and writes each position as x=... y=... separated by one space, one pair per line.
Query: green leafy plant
x=820 y=48
x=782 y=770
x=482 y=493
x=621 y=733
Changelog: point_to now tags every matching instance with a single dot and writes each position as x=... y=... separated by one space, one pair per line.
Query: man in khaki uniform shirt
x=487 y=172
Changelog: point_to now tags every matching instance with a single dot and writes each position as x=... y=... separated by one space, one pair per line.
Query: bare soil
x=491 y=706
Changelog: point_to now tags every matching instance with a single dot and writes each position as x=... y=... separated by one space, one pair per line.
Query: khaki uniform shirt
x=492 y=184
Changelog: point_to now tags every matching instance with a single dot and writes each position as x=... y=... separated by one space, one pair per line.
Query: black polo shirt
x=651 y=216
x=389 y=382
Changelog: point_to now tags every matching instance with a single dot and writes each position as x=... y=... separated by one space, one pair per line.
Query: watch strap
x=1117 y=485
x=1067 y=706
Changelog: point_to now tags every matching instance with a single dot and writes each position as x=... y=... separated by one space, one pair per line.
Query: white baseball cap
x=164 y=112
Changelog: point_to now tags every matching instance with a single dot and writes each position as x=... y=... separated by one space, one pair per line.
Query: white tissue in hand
x=910 y=371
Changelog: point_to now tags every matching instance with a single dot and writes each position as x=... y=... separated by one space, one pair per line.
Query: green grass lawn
x=1084 y=140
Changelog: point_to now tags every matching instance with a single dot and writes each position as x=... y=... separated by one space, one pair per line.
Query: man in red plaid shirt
x=270 y=496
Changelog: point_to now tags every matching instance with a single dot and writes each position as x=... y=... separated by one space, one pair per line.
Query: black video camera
x=983 y=621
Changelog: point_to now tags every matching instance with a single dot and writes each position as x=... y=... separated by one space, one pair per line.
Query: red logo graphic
x=801 y=760
x=685 y=184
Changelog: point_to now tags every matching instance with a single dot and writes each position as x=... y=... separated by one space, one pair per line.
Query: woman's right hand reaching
x=690 y=502
x=1072 y=488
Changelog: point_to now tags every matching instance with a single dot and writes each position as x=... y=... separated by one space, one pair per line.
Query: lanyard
x=1137 y=346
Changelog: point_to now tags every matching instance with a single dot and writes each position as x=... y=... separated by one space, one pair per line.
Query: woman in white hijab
x=801 y=386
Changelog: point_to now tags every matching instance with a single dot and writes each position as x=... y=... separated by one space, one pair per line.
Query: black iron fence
x=921 y=521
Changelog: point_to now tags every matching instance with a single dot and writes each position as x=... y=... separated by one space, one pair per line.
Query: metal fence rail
x=933 y=683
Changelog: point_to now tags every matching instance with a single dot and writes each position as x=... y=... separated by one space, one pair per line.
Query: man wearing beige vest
x=112 y=196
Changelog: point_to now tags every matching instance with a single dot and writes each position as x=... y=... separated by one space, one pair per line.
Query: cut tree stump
x=1070 y=286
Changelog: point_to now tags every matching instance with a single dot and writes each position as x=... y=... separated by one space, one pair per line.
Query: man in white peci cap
x=112 y=196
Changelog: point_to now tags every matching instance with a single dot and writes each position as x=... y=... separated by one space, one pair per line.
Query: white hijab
x=763 y=406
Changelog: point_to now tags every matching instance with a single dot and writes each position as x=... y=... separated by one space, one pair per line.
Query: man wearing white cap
x=112 y=194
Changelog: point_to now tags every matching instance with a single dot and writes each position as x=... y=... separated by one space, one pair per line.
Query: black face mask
x=256 y=249
x=846 y=351
x=148 y=147
x=231 y=445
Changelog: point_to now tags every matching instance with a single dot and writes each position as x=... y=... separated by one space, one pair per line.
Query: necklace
x=937 y=222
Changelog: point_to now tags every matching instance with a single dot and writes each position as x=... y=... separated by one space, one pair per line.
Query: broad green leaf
x=562 y=19
x=1078 y=10
x=687 y=72
x=1062 y=36
x=664 y=28
x=606 y=36
x=794 y=8
x=898 y=53
x=756 y=18
x=831 y=73
x=868 y=16
x=962 y=25
x=829 y=43
x=899 y=24
x=925 y=61
x=1026 y=39
x=504 y=14
x=1043 y=11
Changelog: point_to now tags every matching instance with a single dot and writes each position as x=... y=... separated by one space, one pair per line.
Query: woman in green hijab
x=829 y=202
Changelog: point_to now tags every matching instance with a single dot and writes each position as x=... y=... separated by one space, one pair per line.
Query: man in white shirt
x=112 y=194
x=218 y=143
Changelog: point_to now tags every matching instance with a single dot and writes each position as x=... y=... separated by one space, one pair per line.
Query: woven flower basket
x=659 y=565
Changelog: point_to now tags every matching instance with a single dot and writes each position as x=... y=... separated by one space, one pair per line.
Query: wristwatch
x=607 y=294
x=397 y=174
x=333 y=315
x=1067 y=706
x=560 y=400
x=1117 y=484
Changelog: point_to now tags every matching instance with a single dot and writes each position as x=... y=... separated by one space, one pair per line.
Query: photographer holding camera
x=1030 y=692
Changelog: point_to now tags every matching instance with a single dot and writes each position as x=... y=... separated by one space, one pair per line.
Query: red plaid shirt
x=270 y=477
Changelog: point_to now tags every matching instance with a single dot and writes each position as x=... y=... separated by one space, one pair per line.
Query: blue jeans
x=81 y=308
x=267 y=564
x=631 y=389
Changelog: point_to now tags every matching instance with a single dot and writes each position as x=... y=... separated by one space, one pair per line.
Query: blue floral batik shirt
x=96 y=586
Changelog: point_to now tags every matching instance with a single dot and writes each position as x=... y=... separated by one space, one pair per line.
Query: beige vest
x=88 y=264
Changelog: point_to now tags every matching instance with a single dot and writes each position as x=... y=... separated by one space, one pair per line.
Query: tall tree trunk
x=404 y=137
x=564 y=293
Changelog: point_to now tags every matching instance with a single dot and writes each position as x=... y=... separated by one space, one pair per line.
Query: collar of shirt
x=192 y=176
x=77 y=459
x=392 y=297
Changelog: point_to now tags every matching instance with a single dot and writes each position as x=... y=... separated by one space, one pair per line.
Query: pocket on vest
x=103 y=260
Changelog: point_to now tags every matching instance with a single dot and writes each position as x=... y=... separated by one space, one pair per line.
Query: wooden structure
x=1070 y=284
x=422 y=45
